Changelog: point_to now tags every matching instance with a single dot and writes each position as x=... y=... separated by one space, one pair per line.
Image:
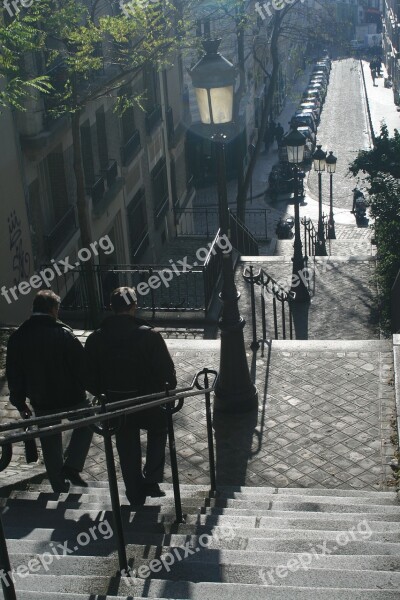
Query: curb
x=396 y=357
x=367 y=103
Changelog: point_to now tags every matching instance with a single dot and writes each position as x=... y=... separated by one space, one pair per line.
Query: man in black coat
x=126 y=358
x=44 y=364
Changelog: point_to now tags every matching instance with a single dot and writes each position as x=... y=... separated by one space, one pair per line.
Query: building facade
x=391 y=43
x=136 y=179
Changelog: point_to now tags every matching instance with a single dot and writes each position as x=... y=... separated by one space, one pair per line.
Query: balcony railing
x=111 y=172
x=61 y=233
x=97 y=191
x=153 y=118
x=130 y=149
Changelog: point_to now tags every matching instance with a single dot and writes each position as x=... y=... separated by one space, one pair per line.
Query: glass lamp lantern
x=319 y=158
x=213 y=79
x=294 y=142
x=331 y=161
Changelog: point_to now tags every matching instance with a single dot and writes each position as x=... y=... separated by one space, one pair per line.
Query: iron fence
x=203 y=221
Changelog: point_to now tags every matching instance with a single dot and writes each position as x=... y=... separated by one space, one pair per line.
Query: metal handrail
x=279 y=294
x=241 y=237
x=107 y=414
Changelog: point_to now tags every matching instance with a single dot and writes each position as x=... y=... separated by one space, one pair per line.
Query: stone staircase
x=275 y=543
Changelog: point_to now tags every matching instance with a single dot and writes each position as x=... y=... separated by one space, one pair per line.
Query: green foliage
x=78 y=39
x=382 y=165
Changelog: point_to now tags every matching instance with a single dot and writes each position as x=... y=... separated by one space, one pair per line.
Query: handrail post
x=7 y=582
x=263 y=308
x=114 y=495
x=174 y=463
x=254 y=344
x=211 y=457
x=275 y=317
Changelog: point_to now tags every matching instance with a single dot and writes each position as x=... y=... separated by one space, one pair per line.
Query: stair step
x=256 y=501
x=213 y=591
x=148 y=544
x=236 y=587
x=203 y=564
x=244 y=537
x=237 y=492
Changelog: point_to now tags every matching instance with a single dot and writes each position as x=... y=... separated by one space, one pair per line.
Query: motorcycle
x=359 y=206
x=284 y=228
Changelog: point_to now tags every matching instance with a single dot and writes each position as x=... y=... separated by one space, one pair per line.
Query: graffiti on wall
x=21 y=259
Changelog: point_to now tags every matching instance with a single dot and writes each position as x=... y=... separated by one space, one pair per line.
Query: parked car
x=321 y=75
x=304 y=119
x=313 y=94
x=312 y=97
x=319 y=88
x=321 y=67
x=308 y=134
x=319 y=79
x=310 y=112
x=324 y=64
x=304 y=106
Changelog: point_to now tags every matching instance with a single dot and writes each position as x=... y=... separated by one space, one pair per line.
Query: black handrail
x=311 y=239
x=105 y=414
x=279 y=294
x=241 y=237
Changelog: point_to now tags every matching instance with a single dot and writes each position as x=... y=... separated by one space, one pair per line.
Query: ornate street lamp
x=295 y=142
x=331 y=161
x=319 y=158
x=214 y=78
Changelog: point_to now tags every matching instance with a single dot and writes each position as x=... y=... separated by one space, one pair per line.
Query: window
x=58 y=184
x=102 y=138
x=159 y=189
x=128 y=117
x=87 y=153
x=137 y=224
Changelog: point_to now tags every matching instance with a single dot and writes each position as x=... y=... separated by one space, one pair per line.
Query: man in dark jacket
x=126 y=358
x=44 y=364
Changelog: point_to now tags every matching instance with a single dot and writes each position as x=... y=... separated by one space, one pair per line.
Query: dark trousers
x=130 y=453
x=75 y=454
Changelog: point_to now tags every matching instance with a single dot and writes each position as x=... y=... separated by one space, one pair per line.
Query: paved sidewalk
x=381 y=101
x=323 y=419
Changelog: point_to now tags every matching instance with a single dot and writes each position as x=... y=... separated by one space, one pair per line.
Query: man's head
x=46 y=301
x=123 y=300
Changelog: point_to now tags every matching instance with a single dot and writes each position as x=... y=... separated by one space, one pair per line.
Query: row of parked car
x=308 y=113
x=306 y=118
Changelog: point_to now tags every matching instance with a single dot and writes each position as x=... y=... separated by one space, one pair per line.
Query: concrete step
x=199 y=563
x=236 y=584
x=214 y=592
x=237 y=492
x=16 y=509
x=150 y=545
x=223 y=537
x=241 y=501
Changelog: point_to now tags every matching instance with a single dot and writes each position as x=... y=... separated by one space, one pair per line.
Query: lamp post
x=331 y=161
x=295 y=142
x=213 y=79
x=319 y=158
